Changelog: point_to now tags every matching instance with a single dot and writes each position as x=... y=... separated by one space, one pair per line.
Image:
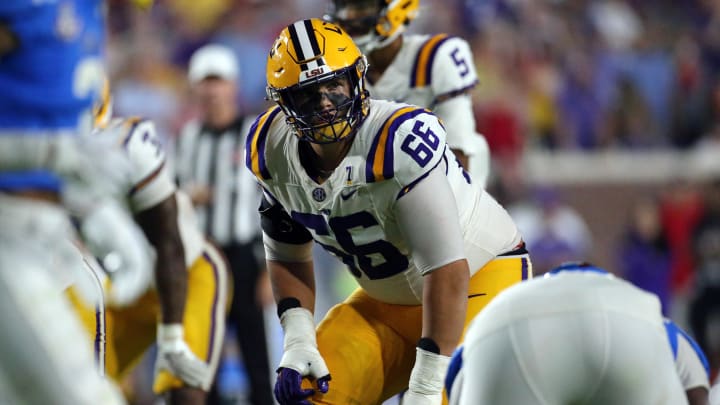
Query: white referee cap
x=213 y=60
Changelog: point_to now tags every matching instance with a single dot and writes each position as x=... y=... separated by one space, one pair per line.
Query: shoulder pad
x=421 y=73
x=453 y=69
x=408 y=145
x=446 y=64
x=256 y=142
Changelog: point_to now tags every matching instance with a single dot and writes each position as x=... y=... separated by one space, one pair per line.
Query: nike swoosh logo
x=347 y=195
x=476 y=295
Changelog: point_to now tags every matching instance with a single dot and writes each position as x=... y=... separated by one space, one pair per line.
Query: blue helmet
x=577 y=266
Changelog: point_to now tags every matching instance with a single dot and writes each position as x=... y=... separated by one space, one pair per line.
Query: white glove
x=175 y=356
x=111 y=235
x=427 y=379
x=300 y=344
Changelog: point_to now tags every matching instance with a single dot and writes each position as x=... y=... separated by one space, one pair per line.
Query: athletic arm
x=293 y=280
x=697 y=396
x=288 y=254
x=435 y=239
x=456 y=114
x=160 y=225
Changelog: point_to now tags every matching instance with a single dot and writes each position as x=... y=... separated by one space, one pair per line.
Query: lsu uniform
x=131 y=330
x=438 y=72
x=351 y=216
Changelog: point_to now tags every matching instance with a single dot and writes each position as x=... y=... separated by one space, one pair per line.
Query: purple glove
x=288 y=390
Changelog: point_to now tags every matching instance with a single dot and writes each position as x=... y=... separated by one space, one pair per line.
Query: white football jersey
x=351 y=213
x=152 y=181
x=575 y=337
x=690 y=361
x=428 y=68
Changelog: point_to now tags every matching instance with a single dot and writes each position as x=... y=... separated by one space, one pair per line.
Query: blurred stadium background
x=603 y=119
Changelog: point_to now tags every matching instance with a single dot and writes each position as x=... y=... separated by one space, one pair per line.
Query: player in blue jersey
x=51 y=70
x=578 y=335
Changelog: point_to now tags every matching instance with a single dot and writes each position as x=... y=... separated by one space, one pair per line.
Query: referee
x=210 y=168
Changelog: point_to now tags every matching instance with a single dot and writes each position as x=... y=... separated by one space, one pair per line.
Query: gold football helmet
x=373 y=23
x=310 y=55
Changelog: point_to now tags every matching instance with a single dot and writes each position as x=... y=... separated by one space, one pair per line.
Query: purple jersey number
x=460 y=62
x=420 y=151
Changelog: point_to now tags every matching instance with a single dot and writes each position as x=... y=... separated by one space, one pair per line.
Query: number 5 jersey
x=438 y=72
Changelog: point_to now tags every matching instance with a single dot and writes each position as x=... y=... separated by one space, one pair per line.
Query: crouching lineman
x=375 y=184
x=577 y=335
x=185 y=312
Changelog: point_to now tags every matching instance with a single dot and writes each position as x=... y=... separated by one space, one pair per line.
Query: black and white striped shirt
x=216 y=159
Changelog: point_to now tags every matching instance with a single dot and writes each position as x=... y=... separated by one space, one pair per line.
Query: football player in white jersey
x=690 y=362
x=577 y=335
x=432 y=71
x=185 y=312
x=375 y=184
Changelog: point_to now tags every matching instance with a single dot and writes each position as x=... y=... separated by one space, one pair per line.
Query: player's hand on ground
x=301 y=359
x=288 y=389
x=175 y=356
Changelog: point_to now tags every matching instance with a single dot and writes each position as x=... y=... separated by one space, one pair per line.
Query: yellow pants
x=131 y=330
x=369 y=346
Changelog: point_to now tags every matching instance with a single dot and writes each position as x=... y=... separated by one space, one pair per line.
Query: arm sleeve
x=456 y=114
x=429 y=219
x=284 y=238
x=691 y=362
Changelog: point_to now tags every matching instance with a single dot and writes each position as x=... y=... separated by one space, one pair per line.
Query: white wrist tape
x=428 y=374
x=167 y=332
x=299 y=327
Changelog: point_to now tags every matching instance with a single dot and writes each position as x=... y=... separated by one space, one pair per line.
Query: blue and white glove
x=175 y=356
x=427 y=379
x=301 y=358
